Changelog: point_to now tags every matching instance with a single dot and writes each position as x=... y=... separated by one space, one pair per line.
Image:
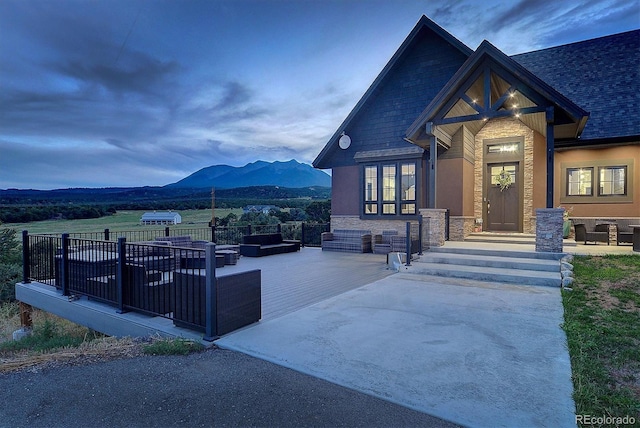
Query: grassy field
x=122 y=220
x=602 y=322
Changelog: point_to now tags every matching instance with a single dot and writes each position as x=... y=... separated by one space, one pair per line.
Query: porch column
x=550 y=156
x=433 y=156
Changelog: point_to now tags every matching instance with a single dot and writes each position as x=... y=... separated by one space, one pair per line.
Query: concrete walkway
x=472 y=353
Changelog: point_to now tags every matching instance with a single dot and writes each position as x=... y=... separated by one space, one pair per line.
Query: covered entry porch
x=490 y=134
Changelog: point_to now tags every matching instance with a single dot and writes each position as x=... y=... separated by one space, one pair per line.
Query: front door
x=502 y=197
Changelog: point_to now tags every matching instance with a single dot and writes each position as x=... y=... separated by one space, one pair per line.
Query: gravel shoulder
x=210 y=388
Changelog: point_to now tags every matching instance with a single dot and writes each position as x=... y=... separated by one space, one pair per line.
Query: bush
x=10 y=264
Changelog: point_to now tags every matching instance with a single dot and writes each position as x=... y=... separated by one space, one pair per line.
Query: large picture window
x=390 y=189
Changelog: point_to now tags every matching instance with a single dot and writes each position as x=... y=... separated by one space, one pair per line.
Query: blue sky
x=105 y=93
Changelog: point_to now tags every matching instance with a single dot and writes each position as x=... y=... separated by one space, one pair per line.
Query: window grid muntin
x=614 y=178
x=579 y=181
x=389 y=199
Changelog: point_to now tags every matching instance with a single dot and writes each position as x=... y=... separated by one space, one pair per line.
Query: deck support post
x=211 y=294
x=122 y=261
x=26 y=259
x=64 y=265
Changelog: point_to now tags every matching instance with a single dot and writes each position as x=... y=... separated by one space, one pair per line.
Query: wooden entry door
x=503 y=203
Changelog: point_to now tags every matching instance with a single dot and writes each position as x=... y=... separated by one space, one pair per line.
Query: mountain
x=292 y=174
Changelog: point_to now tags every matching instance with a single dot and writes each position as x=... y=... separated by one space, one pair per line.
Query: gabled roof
x=493 y=75
x=601 y=75
x=423 y=23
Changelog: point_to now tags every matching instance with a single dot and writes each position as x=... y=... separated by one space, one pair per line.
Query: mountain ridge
x=292 y=174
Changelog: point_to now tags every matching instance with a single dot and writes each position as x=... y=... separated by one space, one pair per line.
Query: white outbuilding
x=164 y=218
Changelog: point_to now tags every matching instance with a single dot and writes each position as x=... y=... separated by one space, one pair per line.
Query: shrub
x=10 y=264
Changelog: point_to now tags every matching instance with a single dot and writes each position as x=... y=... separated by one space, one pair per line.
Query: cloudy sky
x=103 y=93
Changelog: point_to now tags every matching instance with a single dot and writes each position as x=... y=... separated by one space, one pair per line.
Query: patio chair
x=599 y=234
x=382 y=243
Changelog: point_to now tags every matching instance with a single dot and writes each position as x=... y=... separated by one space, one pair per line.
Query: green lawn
x=122 y=220
x=602 y=322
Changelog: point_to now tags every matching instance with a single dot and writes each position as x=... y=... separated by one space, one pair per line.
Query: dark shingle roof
x=602 y=76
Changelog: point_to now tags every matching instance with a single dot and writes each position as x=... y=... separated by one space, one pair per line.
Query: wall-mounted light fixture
x=345 y=141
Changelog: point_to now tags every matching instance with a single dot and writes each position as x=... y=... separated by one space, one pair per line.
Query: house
x=264 y=209
x=154 y=218
x=483 y=139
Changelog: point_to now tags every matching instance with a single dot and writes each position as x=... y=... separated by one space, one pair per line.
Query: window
x=390 y=189
x=597 y=181
x=579 y=181
x=613 y=181
x=371 y=190
x=496 y=171
x=408 y=188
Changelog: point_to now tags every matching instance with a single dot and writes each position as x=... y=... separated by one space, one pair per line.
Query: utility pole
x=213 y=206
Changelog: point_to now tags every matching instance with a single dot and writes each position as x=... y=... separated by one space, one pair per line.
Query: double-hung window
x=390 y=189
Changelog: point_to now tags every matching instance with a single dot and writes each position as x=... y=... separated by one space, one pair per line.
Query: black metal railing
x=174 y=282
x=307 y=233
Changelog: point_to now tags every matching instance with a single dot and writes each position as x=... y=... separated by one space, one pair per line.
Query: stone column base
x=549 y=230
x=433 y=226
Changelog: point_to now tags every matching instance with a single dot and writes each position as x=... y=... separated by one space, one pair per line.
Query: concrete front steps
x=490 y=265
x=509 y=238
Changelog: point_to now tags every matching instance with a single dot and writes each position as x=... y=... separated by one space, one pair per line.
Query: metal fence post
x=302 y=234
x=122 y=260
x=26 y=260
x=248 y=229
x=420 y=235
x=106 y=234
x=408 y=243
x=211 y=295
x=213 y=233
x=166 y=231
x=64 y=264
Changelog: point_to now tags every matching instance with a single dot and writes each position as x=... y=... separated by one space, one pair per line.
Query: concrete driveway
x=475 y=354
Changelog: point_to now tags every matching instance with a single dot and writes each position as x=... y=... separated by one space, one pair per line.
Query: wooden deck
x=289 y=282
x=294 y=280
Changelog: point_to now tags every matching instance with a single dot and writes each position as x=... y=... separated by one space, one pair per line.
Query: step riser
x=516 y=265
x=497 y=253
x=490 y=277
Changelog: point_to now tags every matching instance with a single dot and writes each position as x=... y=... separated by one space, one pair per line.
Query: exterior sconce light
x=345 y=141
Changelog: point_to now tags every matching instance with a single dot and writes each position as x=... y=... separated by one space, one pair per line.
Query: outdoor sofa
x=347 y=240
x=267 y=244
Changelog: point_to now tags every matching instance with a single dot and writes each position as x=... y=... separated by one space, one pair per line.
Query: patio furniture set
x=362 y=241
x=599 y=231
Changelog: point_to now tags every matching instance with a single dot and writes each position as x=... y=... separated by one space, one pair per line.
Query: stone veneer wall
x=459 y=227
x=549 y=230
x=433 y=226
x=375 y=226
x=505 y=128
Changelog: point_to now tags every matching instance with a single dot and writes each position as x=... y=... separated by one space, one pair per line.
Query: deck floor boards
x=295 y=280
